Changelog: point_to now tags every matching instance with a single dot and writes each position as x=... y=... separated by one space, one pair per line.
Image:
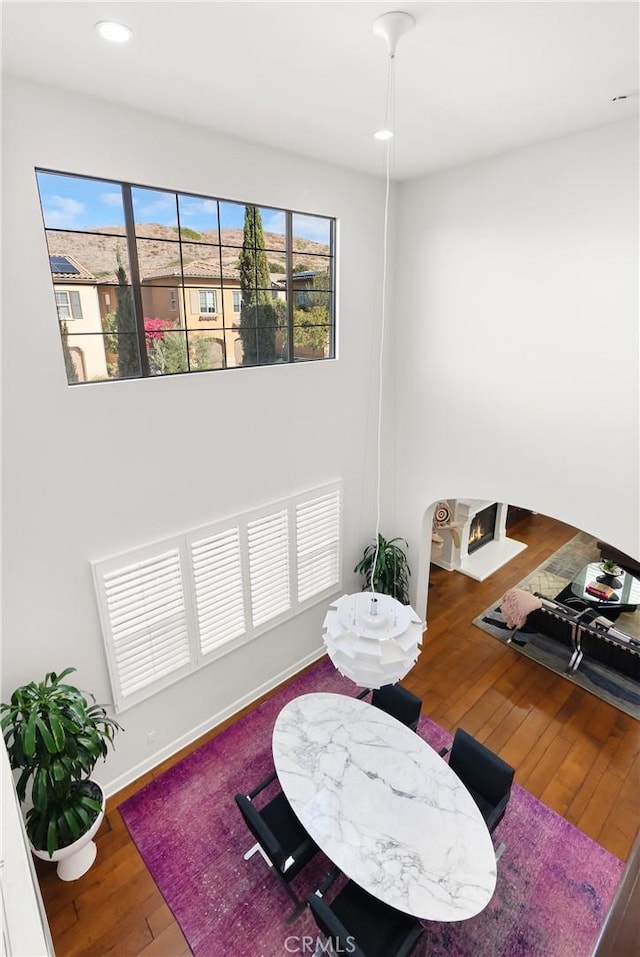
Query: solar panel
x=62 y=264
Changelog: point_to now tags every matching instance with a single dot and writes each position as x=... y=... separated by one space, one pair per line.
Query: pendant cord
x=389 y=125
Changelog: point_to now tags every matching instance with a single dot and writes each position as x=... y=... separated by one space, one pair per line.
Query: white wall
x=94 y=470
x=517 y=338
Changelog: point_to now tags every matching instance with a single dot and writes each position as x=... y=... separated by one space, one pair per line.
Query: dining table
x=384 y=806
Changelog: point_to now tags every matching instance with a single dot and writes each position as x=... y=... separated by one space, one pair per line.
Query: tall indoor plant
x=391 y=573
x=54 y=737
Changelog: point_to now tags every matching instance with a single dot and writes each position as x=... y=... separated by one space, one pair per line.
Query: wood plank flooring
x=576 y=753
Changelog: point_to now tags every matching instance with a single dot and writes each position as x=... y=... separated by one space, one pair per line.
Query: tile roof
x=197 y=269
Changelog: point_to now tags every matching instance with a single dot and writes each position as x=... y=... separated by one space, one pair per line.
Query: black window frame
x=181 y=287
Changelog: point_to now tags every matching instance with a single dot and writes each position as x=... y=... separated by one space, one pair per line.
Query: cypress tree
x=128 y=356
x=72 y=372
x=258 y=319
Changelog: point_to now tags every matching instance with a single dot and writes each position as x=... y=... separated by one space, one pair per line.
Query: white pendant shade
x=372 y=639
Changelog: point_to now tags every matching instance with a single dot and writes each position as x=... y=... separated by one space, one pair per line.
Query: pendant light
x=372 y=638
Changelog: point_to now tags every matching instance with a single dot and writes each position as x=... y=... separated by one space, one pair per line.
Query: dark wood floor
x=576 y=753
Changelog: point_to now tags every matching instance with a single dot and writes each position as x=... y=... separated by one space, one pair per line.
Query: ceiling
x=472 y=79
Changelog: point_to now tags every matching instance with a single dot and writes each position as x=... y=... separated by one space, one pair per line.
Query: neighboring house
x=302 y=286
x=78 y=305
x=208 y=305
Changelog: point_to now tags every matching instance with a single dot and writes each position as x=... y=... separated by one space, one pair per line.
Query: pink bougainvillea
x=154 y=329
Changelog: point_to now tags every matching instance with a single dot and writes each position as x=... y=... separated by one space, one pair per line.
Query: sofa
x=586 y=634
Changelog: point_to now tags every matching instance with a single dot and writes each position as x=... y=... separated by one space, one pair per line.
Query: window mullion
x=186 y=332
x=332 y=288
x=289 y=266
x=135 y=277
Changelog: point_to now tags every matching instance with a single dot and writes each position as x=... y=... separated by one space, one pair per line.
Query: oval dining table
x=384 y=807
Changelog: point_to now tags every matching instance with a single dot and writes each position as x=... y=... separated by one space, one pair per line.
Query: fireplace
x=482 y=528
x=475 y=543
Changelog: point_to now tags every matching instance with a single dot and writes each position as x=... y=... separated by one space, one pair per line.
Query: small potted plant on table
x=609 y=567
x=54 y=736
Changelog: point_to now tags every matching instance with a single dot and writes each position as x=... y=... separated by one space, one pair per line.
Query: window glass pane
x=158 y=259
x=314 y=307
x=206 y=351
x=279 y=307
x=201 y=260
x=282 y=343
x=317 y=269
x=273 y=228
x=259 y=333
x=121 y=337
x=166 y=349
x=311 y=342
x=198 y=219
x=277 y=265
x=255 y=279
x=77 y=203
x=157 y=304
x=230 y=256
x=231 y=223
x=155 y=213
x=96 y=357
x=315 y=229
x=87 y=256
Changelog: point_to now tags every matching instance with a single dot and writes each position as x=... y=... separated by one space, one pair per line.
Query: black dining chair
x=361 y=925
x=485 y=775
x=281 y=838
x=399 y=702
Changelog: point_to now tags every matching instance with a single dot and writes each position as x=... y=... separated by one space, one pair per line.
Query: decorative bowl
x=611 y=571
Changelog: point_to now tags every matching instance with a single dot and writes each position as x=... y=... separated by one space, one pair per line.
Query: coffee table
x=626 y=587
x=384 y=807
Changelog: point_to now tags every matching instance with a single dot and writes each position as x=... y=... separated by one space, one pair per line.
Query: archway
x=447 y=541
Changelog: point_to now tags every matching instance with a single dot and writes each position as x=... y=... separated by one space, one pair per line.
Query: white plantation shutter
x=169 y=608
x=217 y=575
x=144 y=616
x=318 y=544
x=268 y=544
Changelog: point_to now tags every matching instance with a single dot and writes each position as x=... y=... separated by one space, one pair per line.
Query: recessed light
x=383 y=134
x=115 y=32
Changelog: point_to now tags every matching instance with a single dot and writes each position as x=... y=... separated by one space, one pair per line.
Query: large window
x=161 y=271
x=172 y=607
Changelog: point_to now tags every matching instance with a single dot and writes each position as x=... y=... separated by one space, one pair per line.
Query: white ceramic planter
x=75 y=859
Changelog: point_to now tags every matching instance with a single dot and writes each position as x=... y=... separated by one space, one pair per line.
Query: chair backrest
x=397 y=701
x=342 y=940
x=479 y=768
x=262 y=833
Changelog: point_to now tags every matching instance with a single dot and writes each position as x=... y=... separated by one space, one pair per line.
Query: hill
x=157 y=247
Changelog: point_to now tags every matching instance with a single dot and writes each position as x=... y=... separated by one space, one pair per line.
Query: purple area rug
x=554 y=883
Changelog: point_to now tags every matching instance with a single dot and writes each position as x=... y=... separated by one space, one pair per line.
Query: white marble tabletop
x=384 y=807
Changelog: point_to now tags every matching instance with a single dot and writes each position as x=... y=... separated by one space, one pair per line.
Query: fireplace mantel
x=454 y=554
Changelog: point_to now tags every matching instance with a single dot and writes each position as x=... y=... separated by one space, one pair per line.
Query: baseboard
x=112 y=787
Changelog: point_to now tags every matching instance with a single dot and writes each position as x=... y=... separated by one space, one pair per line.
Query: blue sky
x=69 y=202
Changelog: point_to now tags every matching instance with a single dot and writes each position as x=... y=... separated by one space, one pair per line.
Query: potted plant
x=54 y=737
x=391 y=573
x=609 y=567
